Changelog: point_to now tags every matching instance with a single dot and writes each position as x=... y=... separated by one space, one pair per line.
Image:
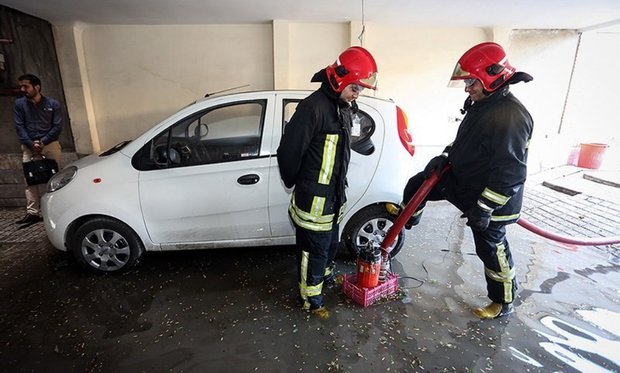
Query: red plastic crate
x=364 y=296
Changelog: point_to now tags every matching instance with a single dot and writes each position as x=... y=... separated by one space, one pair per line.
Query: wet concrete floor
x=234 y=310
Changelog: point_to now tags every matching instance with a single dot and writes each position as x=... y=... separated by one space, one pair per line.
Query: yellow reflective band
x=304 y=274
x=316 y=227
x=484 y=206
x=527 y=144
x=329 y=158
x=505 y=217
x=343 y=209
x=495 y=197
x=506 y=274
x=314 y=290
x=318 y=203
x=316 y=218
x=500 y=277
x=417 y=213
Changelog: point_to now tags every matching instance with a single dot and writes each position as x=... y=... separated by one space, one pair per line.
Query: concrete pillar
x=281 y=52
x=71 y=59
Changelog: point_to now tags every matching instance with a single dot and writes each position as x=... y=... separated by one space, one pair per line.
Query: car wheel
x=369 y=226
x=106 y=245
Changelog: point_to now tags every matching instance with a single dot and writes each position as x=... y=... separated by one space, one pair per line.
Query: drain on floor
x=560 y=189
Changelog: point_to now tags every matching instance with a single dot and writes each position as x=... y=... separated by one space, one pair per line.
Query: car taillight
x=403 y=130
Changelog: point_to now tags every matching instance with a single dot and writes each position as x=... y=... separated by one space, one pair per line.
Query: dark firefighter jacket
x=489 y=155
x=313 y=156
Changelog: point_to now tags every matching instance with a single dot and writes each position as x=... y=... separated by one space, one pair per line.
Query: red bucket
x=591 y=155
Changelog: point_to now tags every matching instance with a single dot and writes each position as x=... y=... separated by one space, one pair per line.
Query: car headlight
x=61 y=179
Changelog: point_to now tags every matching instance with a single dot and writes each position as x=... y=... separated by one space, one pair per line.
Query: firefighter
x=487 y=166
x=313 y=156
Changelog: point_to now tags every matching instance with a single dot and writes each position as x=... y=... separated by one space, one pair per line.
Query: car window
x=363 y=127
x=221 y=134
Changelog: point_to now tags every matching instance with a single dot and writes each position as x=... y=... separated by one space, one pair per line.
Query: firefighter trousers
x=315 y=256
x=491 y=244
x=493 y=249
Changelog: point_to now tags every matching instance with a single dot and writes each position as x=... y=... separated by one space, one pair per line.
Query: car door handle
x=248 y=179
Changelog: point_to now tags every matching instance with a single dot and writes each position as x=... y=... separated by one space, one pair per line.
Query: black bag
x=39 y=171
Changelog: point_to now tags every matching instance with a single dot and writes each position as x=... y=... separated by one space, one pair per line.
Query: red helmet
x=486 y=62
x=354 y=65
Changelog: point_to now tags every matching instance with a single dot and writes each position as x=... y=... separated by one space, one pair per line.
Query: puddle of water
x=581 y=349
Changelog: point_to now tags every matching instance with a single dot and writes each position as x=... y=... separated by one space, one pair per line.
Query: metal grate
x=579 y=215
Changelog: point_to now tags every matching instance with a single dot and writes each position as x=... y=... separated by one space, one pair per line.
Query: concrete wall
x=312 y=47
x=130 y=77
x=548 y=56
x=414 y=69
x=138 y=75
x=593 y=101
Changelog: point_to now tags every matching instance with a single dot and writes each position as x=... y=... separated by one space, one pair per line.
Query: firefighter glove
x=478 y=218
x=435 y=165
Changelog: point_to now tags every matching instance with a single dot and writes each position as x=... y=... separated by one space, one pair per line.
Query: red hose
x=429 y=183
x=413 y=204
x=580 y=241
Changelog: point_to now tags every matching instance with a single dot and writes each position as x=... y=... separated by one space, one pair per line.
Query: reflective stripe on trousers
x=315 y=250
x=493 y=249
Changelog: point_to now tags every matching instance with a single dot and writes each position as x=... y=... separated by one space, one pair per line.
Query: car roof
x=306 y=92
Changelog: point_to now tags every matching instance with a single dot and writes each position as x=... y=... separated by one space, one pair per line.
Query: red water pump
x=368 y=266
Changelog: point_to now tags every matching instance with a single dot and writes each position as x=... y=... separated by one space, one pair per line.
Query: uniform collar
x=494 y=97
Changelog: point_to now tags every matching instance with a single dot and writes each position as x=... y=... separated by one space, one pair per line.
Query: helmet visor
x=458 y=76
x=462 y=83
x=460 y=73
x=369 y=82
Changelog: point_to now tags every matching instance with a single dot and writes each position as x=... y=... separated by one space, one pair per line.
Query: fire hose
x=431 y=181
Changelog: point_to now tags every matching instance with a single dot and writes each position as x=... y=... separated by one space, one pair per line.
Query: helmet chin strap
x=467 y=105
x=354 y=106
x=469 y=102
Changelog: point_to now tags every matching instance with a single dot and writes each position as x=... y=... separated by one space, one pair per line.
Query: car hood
x=93 y=159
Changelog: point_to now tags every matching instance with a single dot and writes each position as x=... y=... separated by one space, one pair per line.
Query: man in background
x=38 y=122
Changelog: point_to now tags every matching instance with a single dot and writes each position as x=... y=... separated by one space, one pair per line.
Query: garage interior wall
x=130 y=77
x=591 y=109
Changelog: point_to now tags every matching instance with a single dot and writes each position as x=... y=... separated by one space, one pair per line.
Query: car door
x=279 y=194
x=366 y=143
x=204 y=178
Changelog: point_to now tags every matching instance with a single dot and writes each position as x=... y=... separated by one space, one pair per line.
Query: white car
x=207 y=177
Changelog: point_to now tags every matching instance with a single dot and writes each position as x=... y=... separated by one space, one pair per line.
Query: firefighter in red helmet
x=313 y=157
x=488 y=166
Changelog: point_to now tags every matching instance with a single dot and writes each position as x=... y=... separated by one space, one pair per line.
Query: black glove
x=477 y=218
x=436 y=164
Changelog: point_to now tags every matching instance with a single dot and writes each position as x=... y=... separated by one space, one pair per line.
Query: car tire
x=371 y=224
x=106 y=245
